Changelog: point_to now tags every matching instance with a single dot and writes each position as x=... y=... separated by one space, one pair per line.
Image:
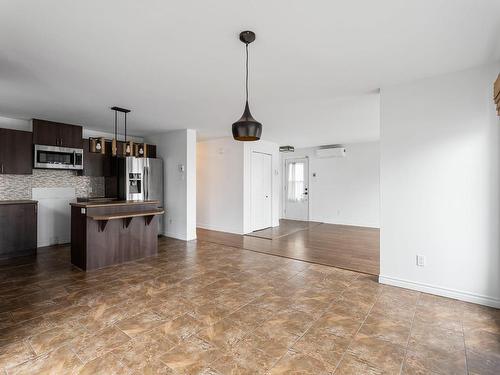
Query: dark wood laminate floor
x=285 y=228
x=343 y=246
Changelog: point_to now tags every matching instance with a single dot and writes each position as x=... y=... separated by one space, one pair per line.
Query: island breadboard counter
x=113 y=232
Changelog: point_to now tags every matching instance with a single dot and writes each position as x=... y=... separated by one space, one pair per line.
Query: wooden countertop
x=127 y=215
x=21 y=201
x=112 y=203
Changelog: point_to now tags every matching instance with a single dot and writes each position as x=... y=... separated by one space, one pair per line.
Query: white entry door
x=262 y=172
x=296 y=189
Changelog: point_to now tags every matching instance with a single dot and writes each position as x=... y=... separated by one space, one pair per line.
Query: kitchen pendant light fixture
x=113 y=142
x=127 y=146
x=247 y=128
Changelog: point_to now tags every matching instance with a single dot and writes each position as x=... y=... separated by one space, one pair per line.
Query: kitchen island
x=104 y=233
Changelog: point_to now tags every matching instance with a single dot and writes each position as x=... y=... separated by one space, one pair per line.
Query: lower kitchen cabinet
x=18 y=228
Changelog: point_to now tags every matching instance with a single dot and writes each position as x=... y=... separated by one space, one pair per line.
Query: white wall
x=345 y=190
x=178 y=148
x=220 y=185
x=224 y=184
x=440 y=186
x=273 y=150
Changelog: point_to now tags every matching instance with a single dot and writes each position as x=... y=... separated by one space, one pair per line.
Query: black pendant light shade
x=247 y=128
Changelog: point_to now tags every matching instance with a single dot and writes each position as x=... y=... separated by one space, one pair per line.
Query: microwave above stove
x=58 y=157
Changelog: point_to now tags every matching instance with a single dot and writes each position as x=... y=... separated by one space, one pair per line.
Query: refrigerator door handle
x=145 y=183
x=146 y=180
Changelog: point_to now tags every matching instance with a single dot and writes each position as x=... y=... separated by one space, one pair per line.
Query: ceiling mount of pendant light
x=247 y=128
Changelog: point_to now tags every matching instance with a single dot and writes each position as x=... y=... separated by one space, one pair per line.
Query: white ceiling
x=315 y=65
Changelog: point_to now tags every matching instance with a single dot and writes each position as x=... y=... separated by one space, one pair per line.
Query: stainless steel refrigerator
x=140 y=179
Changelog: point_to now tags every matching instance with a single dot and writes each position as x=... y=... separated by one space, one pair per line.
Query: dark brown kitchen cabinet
x=18 y=228
x=57 y=134
x=16 y=152
x=93 y=163
x=151 y=151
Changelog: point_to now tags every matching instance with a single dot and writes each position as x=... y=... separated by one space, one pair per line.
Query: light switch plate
x=420 y=261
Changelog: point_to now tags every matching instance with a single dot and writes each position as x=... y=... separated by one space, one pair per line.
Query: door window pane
x=295 y=183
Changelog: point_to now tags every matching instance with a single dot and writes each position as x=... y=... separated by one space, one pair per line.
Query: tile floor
x=203 y=308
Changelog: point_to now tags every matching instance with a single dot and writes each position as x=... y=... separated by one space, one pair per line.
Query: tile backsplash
x=19 y=186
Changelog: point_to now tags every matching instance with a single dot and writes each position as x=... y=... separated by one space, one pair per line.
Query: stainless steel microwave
x=58 y=157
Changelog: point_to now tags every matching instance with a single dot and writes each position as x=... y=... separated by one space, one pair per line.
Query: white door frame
x=285 y=182
x=252 y=227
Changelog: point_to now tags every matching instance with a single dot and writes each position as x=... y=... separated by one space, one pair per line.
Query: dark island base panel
x=95 y=246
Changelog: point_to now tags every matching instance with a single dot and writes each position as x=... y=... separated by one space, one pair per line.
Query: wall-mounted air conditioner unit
x=331 y=152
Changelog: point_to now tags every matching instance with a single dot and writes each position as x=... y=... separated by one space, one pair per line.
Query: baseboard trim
x=440 y=291
x=178 y=236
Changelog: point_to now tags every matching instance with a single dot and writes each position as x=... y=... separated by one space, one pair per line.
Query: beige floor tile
x=104 y=365
x=14 y=352
x=339 y=324
x=210 y=313
x=320 y=344
x=180 y=328
x=54 y=338
x=140 y=323
x=300 y=363
x=483 y=363
x=378 y=353
x=250 y=315
x=387 y=328
x=439 y=339
x=223 y=334
x=141 y=355
x=191 y=356
x=59 y=361
x=426 y=361
x=96 y=344
x=352 y=365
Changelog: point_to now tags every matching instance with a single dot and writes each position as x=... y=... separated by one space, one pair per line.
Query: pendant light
x=247 y=128
x=127 y=147
x=113 y=142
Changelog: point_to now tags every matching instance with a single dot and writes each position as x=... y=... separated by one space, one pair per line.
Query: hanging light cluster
x=127 y=146
x=247 y=128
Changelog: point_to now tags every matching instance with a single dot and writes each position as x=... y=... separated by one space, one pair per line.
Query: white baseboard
x=219 y=229
x=440 y=291
x=178 y=236
x=45 y=243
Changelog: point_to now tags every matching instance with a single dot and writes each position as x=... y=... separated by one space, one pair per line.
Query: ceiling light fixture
x=247 y=128
x=127 y=146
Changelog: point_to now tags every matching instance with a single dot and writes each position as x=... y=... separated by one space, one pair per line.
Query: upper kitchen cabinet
x=57 y=134
x=93 y=163
x=16 y=152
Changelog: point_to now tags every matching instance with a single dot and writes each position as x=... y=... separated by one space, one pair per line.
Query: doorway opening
x=261 y=195
x=296 y=189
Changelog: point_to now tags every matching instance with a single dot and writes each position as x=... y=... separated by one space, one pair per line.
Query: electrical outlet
x=420 y=261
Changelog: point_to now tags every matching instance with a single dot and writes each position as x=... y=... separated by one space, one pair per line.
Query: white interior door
x=261 y=190
x=296 y=189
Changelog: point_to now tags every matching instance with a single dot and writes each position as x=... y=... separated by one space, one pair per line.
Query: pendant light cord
x=247 y=72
